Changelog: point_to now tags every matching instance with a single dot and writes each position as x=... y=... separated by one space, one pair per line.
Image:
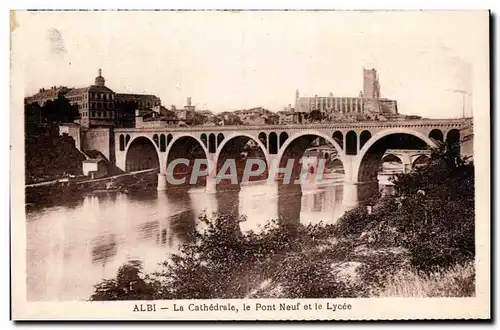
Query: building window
x=93 y=114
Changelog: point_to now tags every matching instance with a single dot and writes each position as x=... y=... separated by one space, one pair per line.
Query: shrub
x=352 y=223
x=128 y=285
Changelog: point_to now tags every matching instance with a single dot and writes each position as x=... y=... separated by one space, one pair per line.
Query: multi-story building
x=249 y=116
x=95 y=104
x=143 y=101
x=99 y=106
x=49 y=94
x=368 y=104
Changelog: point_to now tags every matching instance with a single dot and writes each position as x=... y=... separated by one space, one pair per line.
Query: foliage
x=316 y=115
x=59 y=110
x=436 y=212
x=128 y=285
x=421 y=234
x=48 y=155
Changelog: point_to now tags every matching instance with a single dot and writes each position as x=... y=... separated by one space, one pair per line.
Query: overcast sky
x=235 y=60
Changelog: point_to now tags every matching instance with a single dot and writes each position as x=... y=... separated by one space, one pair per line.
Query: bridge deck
x=378 y=124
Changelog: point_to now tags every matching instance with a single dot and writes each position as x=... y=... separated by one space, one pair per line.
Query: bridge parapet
x=455 y=122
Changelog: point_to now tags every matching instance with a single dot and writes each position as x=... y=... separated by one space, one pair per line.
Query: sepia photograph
x=263 y=165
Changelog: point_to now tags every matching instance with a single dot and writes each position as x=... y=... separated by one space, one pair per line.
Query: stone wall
x=100 y=139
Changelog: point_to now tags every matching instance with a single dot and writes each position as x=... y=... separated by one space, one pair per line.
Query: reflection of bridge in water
x=361 y=147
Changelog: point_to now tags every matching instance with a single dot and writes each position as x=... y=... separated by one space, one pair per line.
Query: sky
x=237 y=60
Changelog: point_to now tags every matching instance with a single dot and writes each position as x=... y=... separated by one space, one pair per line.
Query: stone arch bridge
x=360 y=145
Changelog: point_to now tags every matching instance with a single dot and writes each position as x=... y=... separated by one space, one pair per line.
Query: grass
x=456 y=281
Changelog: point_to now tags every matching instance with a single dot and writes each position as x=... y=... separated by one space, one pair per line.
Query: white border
x=259 y=4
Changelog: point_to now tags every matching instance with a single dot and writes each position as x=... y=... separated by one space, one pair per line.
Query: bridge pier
x=211 y=184
x=162 y=182
x=350 y=198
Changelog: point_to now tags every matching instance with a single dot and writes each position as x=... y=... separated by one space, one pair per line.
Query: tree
x=59 y=111
x=436 y=214
x=316 y=115
x=32 y=114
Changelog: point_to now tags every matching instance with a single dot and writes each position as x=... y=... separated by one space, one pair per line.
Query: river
x=72 y=244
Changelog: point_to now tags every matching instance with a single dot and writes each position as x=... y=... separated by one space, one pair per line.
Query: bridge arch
x=121 y=140
x=394 y=131
x=364 y=137
x=204 y=139
x=339 y=137
x=273 y=143
x=370 y=156
x=419 y=160
x=212 y=143
x=183 y=136
x=283 y=137
x=315 y=133
x=437 y=135
x=141 y=153
x=263 y=138
x=239 y=135
x=182 y=167
x=391 y=157
x=351 y=143
x=220 y=138
x=163 y=143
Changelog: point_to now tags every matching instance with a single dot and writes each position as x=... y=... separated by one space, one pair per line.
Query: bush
x=128 y=285
x=353 y=222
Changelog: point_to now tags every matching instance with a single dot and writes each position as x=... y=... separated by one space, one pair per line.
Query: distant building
x=288 y=117
x=368 y=104
x=49 y=94
x=99 y=106
x=187 y=114
x=250 y=116
x=95 y=104
x=158 y=116
x=143 y=101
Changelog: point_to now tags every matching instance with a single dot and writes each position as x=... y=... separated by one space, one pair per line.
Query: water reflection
x=73 y=246
x=289 y=203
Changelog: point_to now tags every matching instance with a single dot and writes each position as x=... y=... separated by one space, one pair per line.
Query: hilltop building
x=99 y=106
x=368 y=105
x=45 y=95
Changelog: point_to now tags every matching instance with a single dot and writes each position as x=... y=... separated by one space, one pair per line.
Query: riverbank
x=78 y=185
